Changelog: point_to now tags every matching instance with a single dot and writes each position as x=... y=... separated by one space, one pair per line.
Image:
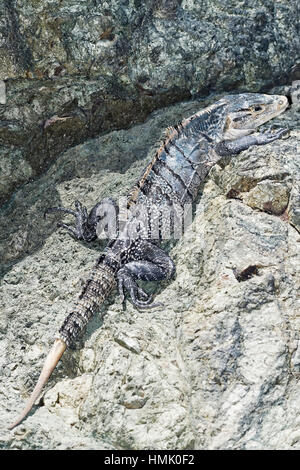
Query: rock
x=217 y=367
x=2 y=92
x=14 y=170
x=99 y=66
x=268 y=196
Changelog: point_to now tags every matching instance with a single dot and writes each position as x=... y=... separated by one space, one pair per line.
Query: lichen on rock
x=100 y=66
x=91 y=86
x=211 y=368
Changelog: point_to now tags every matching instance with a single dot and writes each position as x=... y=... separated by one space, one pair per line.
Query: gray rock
x=14 y=170
x=76 y=69
x=217 y=367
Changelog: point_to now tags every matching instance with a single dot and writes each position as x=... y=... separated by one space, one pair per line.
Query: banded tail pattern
x=97 y=288
x=173 y=176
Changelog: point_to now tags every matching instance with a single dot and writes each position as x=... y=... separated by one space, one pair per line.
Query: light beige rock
x=217 y=367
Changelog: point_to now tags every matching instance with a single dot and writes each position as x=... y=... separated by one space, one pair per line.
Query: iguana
x=173 y=176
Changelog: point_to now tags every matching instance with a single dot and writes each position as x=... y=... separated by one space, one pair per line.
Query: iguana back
x=172 y=178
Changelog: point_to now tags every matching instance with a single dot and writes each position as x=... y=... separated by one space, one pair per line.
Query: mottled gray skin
x=173 y=176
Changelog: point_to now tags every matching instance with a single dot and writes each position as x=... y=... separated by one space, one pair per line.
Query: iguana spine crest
x=174 y=175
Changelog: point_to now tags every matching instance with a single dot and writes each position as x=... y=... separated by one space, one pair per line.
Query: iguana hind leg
x=148 y=263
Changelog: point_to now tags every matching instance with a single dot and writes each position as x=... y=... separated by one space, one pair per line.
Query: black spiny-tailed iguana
x=173 y=176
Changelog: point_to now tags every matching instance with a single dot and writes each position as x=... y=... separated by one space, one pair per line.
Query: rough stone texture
x=74 y=69
x=218 y=366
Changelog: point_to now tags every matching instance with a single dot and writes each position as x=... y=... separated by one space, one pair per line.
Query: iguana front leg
x=232 y=147
x=86 y=224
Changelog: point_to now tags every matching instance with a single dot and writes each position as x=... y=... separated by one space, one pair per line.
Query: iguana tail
x=51 y=361
x=100 y=283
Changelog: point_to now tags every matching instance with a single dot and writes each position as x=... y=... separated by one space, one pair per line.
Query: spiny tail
x=94 y=293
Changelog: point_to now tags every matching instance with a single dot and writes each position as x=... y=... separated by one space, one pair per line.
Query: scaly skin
x=172 y=178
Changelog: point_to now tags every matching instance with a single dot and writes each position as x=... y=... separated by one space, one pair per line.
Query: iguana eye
x=257 y=108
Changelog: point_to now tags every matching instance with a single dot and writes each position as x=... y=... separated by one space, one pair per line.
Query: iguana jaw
x=248 y=111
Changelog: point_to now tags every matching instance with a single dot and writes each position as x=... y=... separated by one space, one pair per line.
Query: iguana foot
x=82 y=230
x=154 y=265
x=87 y=224
x=138 y=296
x=269 y=135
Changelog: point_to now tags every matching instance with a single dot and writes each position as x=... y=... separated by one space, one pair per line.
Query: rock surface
x=74 y=69
x=218 y=366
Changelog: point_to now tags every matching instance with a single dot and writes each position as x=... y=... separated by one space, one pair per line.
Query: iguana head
x=246 y=112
